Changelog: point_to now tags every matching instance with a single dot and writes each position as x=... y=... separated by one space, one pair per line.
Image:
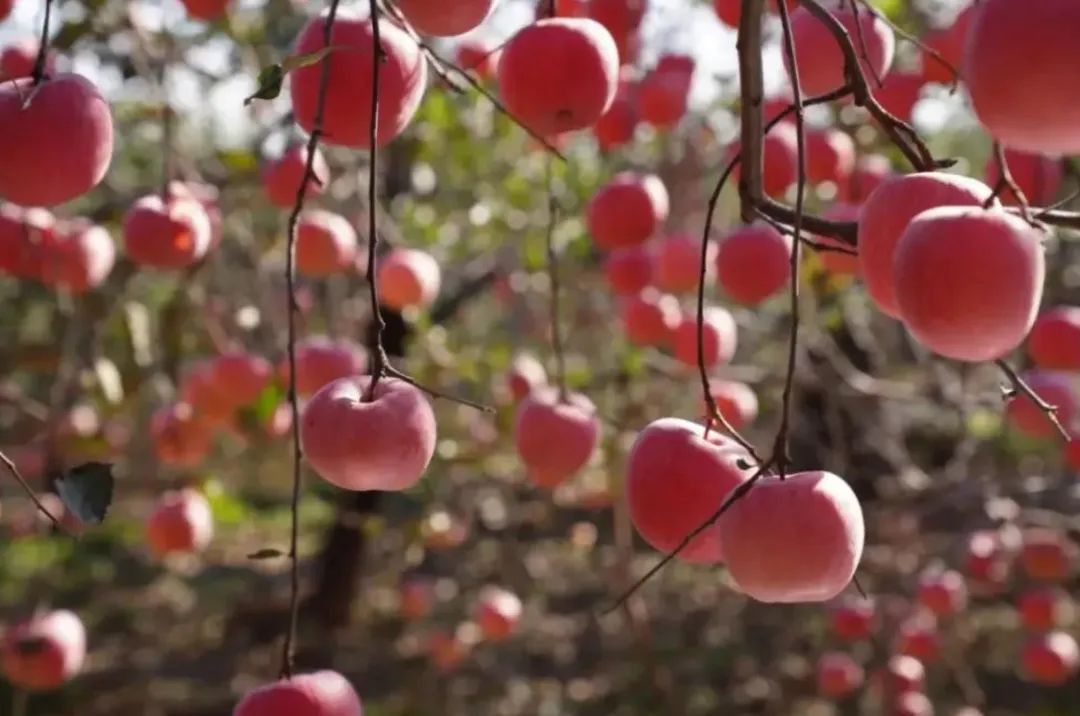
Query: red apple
x=1054 y=341
x=912 y=703
x=443 y=19
x=904 y=674
x=497 y=612
x=987 y=558
x=917 y=636
x=180 y=438
x=830 y=156
x=5 y=8
x=676 y=478
x=621 y=18
x=617 y=125
x=447 y=651
x=555 y=438
x=650 y=318
x=1017 y=57
x=720 y=338
x=241 y=376
x=797 y=539
x=1047 y=555
x=1039 y=177
x=281 y=176
x=17 y=60
x=1024 y=416
x=629 y=270
x=199 y=387
x=321 y=360
x=326 y=244
x=80 y=257
x=838 y=675
x=478 y=56
x=1045 y=608
x=560 y=74
x=37 y=169
x=899 y=93
x=44 y=652
x=206 y=10
x=1051 y=659
x=322 y=693
x=571 y=8
x=347 y=112
x=948 y=42
x=663 y=93
x=736 y=401
x=779 y=159
x=819 y=59
x=853 y=618
x=887 y=212
x=627 y=210
x=169 y=233
x=753 y=263
x=678 y=263
x=181 y=522
x=526 y=374
x=408 y=278
x=944 y=593
x=357 y=442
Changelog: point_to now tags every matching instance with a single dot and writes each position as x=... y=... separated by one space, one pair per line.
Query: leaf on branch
x=87 y=491
x=271 y=78
x=266 y=553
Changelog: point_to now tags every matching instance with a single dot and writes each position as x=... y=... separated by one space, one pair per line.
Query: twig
x=40 y=61
x=862 y=44
x=393 y=372
x=1006 y=181
x=553 y=279
x=287 y=653
x=1019 y=385
x=923 y=47
x=166 y=110
x=29 y=490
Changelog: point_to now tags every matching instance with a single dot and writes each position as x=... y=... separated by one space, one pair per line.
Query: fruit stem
x=38 y=74
x=378 y=353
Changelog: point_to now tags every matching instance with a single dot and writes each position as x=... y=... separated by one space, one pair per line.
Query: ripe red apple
x=912 y=703
x=853 y=619
x=170 y=233
x=479 y=56
x=44 y=652
x=794 y=540
x=17 y=60
x=1045 y=608
x=887 y=212
x=871 y=170
x=629 y=270
x=678 y=263
x=830 y=156
x=24 y=234
x=206 y=10
x=1051 y=659
x=181 y=522
x=948 y=42
x=753 y=263
x=282 y=175
x=417 y=598
x=621 y=18
x=943 y=593
x=555 y=438
x=408 y=278
x=1012 y=85
x=1054 y=341
x=1038 y=176
x=779 y=159
x=818 y=56
x=37 y=169
x=1047 y=555
x=321 y=360
x=720 y=337
x=617 y=125
x=663 y=93
x=180 y=438
x=917 y=636
x=322 y=693
x=838 y=675
x=326 y=243
x=526 y=375
x=904 y=674
x=382 y=444
x=676 y=477
x=899 y=92
x=571 y=8
x=497 y=612
x=838 y=263
x=347 y=118
x=650 y=318
x=627 y=210
x=241 y=376
x=1024 y=416
x=79 y=257
x=736 y=401
x=207 y=195
x=443 y=19
x=969 y=281
x=199 y=388
x=559 y=74
x=987 y=559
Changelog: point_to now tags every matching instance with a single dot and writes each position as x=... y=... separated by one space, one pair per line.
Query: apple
x=497 y=613
x=1054 y=341
x=1045 y=608
x=1017 y=57
x=736 y=401
x=321 y=360
x=571 y=8
x=780 y=157
x=1038 y=176
x=321 y=693
x=559 y=74
x=621 y=18
x=1024 y=416
x=326 y=243
x=360 y=442
x=678 y=263
x=5 y=8
x=853 y=618
x=917 y=636
x=478 y=56
x=1047 y=555
x=797 y=539
x=987 y=558
x=447 y=651
x=617 y=125
x=281 y=176
x=347 y=111
x=948 y=42
x=443 y=19
x=629 y=270
x=166 y=233
x=627 y=210
x=278 y=424
x=17 y=60
x=408 y=278
x=241 y=376
x=44 y=652
x=37 y=169
x=719 y=337
x=899 y=92
x=207 y=195
x=199 y=388
x=663 y=93
x=181 y=522
x=417 y=598
x=871 y=170
x=23 y=235
x=838 y=675
x=888 y=211
x=943 y=593
x=830 y=156
x=180 y=438
x=904 y=674
x=912 y=703
x=676 y=477
x=753 y=263
x=818 y=56
x=649 y=318
x=1051 y=659
x=206 y=10
x=526 y=374
x=555 y=437
x=79 y=258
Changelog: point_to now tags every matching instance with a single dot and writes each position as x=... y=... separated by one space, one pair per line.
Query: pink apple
x=616 y=127
x=818 y=56
x=281 y=177
x=241 y=376
x=1047 y=555
x=650 y=318
x=408 y=278
x=664 y=92
x=629 y=270
x=321 y=360
x=181 y=522
x=17 y=60
x=169 y=233
x=1039 y=177
x=478 y=56
x=853 y=618
x=988 y=560
x=899 y=93
x=526 y=375
x=627 y=210
x=753 y=263
x=719 y=338
x=322 y=693
x=830 y=156
x=43 y=652
x=326 y=244
x=904 y=674
x=871 y=170
x=443 y=19
x=943 y=593
x=180 y=438
x=1051 y=659
x=1024 y=416
x=1045 y=608
x=736 y=401
x=79 y=258
x=678 y=263
x=838 y=675
x=948 y=42
x=555 y=438
x=1054 y=341
x=917 y=636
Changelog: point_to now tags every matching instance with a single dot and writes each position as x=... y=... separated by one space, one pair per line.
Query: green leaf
x=87 y=491
x=266 y=553
x=295 y=62
x=271 y=78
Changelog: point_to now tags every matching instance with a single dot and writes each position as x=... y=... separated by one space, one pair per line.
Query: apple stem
x=10 y=464
x=553 y=279
x=38 y=74
x=1006 y=181
x=288 y=649
x=1019 y=385
x=379 y=362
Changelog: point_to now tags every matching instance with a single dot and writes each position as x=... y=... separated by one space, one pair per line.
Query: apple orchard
x=564 y=357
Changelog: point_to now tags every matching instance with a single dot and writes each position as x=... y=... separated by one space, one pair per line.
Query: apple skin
x=943 y=594
x=753 y=263
x=443 y=19
x=555 y=438
x=526 y=374
x=1039 y=177
x=44 y=652
x=616 y=127
x=181 y=522
x=497 y=613
x=649 y=318
x=1054 y=341
x=559 y=75
x=38 y=170
x=326 y=244
x=1051 y=659
x=241 y=376
x=794 y=540
x=281 y=176
x=1024 y=416
x=181 y=439
x=663 y=93
x=80 y=257
x=478 y=56
x=838 y=675
x=321 y=360
x=678 y=263
x=322 y=693
x=949 y=43
x=627 y=210
x=819 y=59
x=385 y=444
x=900 y=92
x=408 y=278
x=853 y=619
x=347 y=111
x=629 y=270
x=917 y=636
x=676 y=477
x=830 y=156
x=17 y=60
x=719 y=338
x=736 y=401
x=166 y=233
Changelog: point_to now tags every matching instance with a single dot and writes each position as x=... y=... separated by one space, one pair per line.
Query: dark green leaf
x=266 y=553
x=270 y=80
x=87 y=491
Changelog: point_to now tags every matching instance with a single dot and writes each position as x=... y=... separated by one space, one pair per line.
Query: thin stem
x=923 y=47
x=1019 y=385
x=1006 y=181
x=167 y=116
x=40 y=61
x=378 y=352
x=553 y=278
x=288 y=650
x=29 y=490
